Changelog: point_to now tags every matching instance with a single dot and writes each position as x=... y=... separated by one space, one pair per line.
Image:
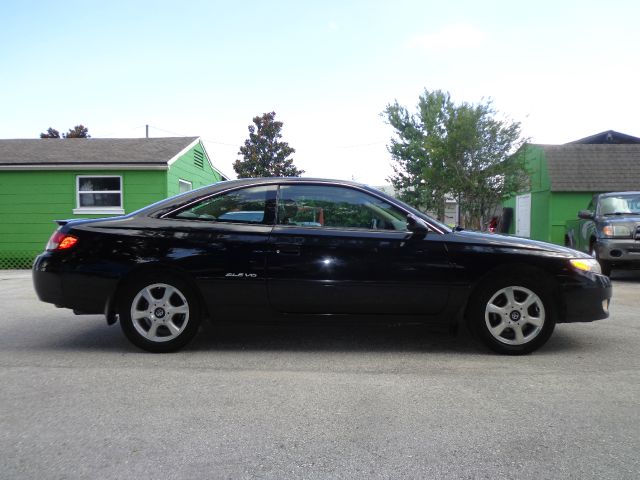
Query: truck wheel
x=605 y=265
x=568 y=242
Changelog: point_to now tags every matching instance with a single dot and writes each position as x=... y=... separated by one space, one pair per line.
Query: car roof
x=270 y=180
x=613 y=194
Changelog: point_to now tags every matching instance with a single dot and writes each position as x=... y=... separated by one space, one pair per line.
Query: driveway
x=78 y=401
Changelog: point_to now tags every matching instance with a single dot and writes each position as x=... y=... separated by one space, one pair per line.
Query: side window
x=248 y=205
x=337 y=207
x=184 y=186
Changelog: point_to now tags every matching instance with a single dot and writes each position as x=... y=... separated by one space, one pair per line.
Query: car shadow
x=92 y=334
x=350 y=337
x=296 y=337
x=626 y=276
x=332 y=337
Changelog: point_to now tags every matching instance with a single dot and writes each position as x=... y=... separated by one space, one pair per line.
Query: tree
x=460 y=150
x=264 y=155
x=50 y=133
x=79 y=131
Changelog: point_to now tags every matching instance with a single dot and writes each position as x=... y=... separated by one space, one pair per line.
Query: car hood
x=625 y=219
x=513 y=242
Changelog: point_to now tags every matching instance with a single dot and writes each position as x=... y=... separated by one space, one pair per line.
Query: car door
x=222 y=241
x=340 y=249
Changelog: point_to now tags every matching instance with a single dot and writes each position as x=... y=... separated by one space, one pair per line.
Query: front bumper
x=620 y=250
x=587 y=301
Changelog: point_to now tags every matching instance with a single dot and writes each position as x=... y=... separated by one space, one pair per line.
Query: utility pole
x=146 y=127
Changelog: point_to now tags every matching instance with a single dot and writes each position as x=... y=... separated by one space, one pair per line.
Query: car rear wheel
x=512 y=316
x=159 y=313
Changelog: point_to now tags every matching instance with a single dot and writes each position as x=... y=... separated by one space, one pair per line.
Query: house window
x=184 y=186
x=99 y=194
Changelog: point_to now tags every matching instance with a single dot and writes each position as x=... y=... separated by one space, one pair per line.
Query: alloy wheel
x=159 y=312
x=514 y=315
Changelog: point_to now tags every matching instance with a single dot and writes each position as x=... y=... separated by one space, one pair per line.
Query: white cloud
x=332 y=25
x=456 y=36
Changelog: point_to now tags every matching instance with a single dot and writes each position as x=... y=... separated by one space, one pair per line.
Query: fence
x=13 y=260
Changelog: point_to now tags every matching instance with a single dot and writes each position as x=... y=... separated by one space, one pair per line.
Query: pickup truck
x=609 y=230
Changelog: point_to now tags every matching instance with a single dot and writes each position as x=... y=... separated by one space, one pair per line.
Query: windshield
x=620 y=204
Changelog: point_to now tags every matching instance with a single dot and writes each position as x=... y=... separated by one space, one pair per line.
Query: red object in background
x=493 y=225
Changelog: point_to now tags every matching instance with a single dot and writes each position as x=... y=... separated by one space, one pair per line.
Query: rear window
x=246 y=205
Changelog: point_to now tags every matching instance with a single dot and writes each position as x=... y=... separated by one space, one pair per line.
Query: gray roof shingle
x=79 y=151
x=608 y=136
x=593 y=168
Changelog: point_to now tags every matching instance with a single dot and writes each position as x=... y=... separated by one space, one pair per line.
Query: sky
x=563 y=69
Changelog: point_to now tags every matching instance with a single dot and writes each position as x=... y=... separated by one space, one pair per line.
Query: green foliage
x=50 y=133
x=459 y=150
x=79 y=131
x=264 y=155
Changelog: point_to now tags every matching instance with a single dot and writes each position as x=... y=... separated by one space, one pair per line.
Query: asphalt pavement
x=314 y=402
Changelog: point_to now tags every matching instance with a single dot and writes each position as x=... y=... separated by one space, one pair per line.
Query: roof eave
x=85 y=166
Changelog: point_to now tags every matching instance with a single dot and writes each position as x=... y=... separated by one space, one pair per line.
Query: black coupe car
x=304 y=248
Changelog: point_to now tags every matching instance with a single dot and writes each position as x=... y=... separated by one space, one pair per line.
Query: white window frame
x=117 y=210
x=187 y=182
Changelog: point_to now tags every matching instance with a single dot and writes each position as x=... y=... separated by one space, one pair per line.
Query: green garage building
x=43 y=180
x=564 y=178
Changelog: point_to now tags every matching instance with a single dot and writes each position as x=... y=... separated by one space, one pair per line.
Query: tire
x=512 y=315
x=605 y=265
x=568 y=241
x=159 y=313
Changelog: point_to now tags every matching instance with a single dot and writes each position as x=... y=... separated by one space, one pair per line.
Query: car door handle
x=288 y=249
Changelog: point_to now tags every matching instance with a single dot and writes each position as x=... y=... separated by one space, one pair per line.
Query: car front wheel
x=513 y=316
x=159 y=314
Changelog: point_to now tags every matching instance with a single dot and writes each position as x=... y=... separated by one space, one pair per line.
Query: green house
x=42 y=180
x=564 y=178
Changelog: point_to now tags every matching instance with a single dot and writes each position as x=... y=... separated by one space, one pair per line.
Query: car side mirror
x=586 y=215
x=416 y=225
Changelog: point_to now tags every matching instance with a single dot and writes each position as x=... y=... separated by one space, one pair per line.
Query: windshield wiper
x=619 y=213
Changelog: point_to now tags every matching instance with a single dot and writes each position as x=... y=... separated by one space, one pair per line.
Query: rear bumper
x=47 y=284
x=589 y=301
x=64 y=286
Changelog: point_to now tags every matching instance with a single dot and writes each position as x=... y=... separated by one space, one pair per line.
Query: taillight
x=61 y=241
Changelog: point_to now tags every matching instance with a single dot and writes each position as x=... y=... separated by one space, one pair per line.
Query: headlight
x=616 y=231
x=586 y=265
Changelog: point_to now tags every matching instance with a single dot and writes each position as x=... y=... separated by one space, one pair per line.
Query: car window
x=337 y=207
x=247 y=205
x=619 y=204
